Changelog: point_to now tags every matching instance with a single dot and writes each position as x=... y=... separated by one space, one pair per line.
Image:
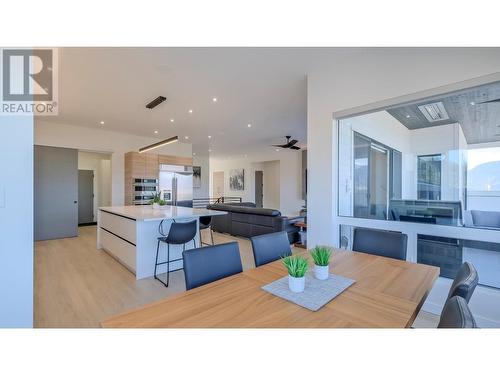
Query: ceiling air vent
x=434 y=112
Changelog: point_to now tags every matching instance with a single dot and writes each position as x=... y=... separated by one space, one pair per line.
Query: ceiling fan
x=289 y=144
x=490 y=101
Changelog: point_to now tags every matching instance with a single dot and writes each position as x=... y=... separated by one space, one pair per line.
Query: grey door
x=85 y=196
x=56 y=192
x=259 y=188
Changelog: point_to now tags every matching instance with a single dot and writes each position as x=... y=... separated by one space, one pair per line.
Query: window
x=377 y=176
x=441 y=187
x=395 y=165
x=429 y=177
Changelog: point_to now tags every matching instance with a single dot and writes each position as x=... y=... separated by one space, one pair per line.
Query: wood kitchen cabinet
x=146 y=165
x=174 y=160
x=152 y=166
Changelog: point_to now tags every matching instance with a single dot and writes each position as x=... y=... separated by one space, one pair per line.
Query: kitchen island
x=129 y=234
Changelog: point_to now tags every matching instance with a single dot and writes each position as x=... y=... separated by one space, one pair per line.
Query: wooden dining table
x=387 y=293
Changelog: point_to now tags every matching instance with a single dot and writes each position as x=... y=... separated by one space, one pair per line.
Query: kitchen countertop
x=147 y=213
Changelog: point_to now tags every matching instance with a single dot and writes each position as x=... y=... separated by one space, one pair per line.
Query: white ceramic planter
x=321 y=272
x=296 y=284
x=303 y=237
x=156 y=206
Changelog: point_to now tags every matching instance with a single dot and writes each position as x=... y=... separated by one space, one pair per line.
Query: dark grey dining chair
x=380 y=242
x=206 y=223
x=211 y=263
x=270 y=247
x=465 y=282
x=456 y=314
x=178 y=234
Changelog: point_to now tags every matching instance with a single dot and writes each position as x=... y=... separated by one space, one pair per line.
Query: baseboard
x=87 y=224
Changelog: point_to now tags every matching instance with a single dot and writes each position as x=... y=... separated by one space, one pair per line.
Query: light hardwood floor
x=77 y=285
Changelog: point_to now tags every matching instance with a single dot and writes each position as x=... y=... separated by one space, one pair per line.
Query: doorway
x=371 y=178
x=259 y=188
x=55 y=192
x=218 y=184
x=85 y=197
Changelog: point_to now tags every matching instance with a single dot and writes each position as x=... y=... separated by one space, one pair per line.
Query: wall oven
x=143 y=190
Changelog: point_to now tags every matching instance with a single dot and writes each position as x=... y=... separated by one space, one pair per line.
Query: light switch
x=2 y=197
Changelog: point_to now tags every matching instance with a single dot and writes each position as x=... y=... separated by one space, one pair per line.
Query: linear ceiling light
x=159 y=144
x=434 y=111
x=156 y=102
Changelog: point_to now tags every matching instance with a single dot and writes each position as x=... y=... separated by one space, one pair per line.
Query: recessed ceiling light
x=472 y=103
x=408 y=116
x=209 y=150
x=186 y=137
x=194 y=153
x=156 y=131
x=249 y=125
x=214 y=99
x=209 y=137
x=190 y=111
x=171 y=120
x=102 y=122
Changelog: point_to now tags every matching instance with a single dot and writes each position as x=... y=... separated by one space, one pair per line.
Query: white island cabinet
x=130 y=233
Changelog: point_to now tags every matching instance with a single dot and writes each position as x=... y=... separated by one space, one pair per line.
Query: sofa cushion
x=245 y=209
x=249 y=221
x=243 y=204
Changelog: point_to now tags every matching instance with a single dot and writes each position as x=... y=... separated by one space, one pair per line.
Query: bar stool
x=206 y=223
x=179 y=234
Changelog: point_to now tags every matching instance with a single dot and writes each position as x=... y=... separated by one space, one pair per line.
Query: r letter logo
x=29 y=81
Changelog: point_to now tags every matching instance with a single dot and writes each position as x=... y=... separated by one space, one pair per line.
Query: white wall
x=202 y=161
x=272 y=185
x=290 y=175
x=447 y=140
x=442 y=140
x=100 y=163
x=381 y=127
x=101 y=140
x=378 y=75
x=363 y=78
x=16 y=221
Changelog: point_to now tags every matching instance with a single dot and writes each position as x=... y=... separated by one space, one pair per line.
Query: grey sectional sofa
x=245 y=220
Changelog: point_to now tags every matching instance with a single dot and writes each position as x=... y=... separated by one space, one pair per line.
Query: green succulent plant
x=321 y=255
x=296 y=265
x=156 y=197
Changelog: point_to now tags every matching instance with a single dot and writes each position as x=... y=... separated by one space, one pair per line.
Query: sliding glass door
x=371 y=178
x=361 y=184
x=379 y=181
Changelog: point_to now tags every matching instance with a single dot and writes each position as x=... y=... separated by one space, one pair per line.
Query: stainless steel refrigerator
x=176 y=184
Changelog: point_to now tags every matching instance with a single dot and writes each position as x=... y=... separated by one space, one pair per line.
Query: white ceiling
x=264 y=87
